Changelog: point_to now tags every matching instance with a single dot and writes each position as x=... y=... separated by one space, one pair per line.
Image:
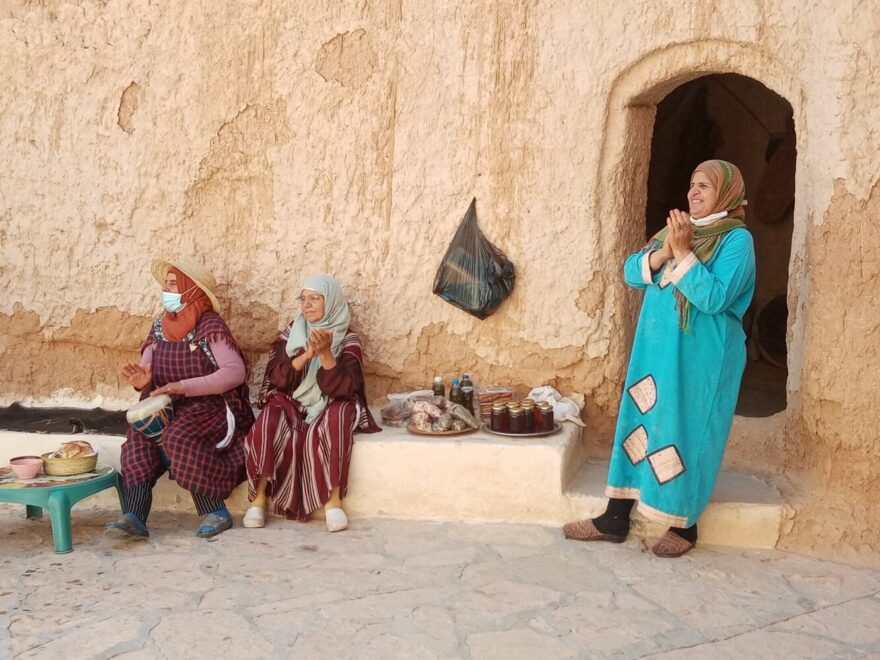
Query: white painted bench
x=476 y=478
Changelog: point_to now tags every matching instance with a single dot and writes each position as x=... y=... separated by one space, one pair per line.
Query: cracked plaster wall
x=273 y=142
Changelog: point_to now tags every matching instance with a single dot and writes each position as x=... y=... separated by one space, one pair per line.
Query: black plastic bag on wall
x=474 y=275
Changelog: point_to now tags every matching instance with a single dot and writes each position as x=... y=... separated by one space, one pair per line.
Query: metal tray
x=439 y=434
x=537 y=434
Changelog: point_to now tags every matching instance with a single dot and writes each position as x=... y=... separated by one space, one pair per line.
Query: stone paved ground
x=396 y=589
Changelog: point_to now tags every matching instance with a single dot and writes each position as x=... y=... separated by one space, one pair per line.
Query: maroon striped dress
x=303 y=463
x=199 y=422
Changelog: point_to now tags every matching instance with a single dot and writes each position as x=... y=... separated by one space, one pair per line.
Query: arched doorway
x=736 y=118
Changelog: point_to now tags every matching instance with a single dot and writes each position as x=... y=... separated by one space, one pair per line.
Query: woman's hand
x=681 y=233
x=321 y=341
x=319 y=345
x=659 y=257
x=300 y=361
x=666 y=250
x=137 y=377
x=170 y=389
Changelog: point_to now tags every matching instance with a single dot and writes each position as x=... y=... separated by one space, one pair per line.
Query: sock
x=687 y=533
x=615 y=520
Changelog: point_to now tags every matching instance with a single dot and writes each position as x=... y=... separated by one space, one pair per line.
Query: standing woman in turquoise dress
x=687 y=361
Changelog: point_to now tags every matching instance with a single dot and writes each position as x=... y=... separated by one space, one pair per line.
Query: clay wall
x=272 y=141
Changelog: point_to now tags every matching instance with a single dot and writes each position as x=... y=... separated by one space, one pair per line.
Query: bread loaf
x=74 y=449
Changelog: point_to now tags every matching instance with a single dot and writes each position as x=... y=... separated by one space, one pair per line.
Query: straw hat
x=196 y=272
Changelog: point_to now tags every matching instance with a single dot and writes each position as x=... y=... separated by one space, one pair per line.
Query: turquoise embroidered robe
x=681 y=387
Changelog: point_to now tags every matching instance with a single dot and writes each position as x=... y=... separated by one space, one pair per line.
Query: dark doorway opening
x=738 y=119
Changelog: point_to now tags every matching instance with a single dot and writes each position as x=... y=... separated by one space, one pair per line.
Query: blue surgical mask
x=171 y=302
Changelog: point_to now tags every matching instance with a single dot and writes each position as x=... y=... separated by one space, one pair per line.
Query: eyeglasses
x=312 y=300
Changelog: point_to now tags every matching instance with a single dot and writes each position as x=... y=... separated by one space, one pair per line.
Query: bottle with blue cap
x=455 y=393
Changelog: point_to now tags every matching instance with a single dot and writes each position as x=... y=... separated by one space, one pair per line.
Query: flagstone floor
x=398 y=589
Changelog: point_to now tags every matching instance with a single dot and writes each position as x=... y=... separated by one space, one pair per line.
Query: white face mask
x=708 y=220
x=171 y=302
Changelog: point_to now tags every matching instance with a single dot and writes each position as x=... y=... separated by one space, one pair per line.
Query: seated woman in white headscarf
x=313 y=402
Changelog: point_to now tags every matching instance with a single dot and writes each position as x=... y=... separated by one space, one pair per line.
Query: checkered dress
x=198 y=424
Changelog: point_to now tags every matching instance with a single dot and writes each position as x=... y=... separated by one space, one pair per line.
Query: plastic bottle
x=455 y=394
x=467 y=391
x=439 y=388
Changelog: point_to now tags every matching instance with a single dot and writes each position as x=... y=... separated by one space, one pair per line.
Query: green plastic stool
x=59 y=498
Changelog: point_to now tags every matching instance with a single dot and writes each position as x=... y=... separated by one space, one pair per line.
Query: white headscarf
x=336 y=319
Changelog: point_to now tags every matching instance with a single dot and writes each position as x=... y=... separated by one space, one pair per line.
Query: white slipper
x=335 y=519
x=254 y=517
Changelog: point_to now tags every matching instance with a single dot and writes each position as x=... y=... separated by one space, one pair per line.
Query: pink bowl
x=26 y=467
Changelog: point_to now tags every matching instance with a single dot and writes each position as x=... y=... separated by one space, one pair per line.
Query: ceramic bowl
x=26 y=467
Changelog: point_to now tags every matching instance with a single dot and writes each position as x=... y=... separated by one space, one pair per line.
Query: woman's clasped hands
x=678 y=241
x=320 y=342
x=319 y=346
x=680 y=236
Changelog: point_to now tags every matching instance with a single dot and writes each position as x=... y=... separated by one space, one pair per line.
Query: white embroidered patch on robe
x=644 y=393
x=666 y=464
x=636 y=445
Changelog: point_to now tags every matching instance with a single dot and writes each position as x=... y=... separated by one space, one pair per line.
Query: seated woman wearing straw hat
x=190 y=355
x=313 y=402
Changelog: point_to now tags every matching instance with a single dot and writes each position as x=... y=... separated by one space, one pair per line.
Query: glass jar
x=528 y=419
x=500 y=420
x=539 y=416
x=516 y=419
x=547 y=421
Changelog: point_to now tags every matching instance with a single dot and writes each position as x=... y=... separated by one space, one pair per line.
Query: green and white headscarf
x=336 y=320
x=729 y=208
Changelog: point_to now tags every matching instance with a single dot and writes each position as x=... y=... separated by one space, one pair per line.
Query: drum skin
x=151 y=416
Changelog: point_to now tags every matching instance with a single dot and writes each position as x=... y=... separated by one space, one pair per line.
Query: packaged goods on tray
x=397 y=413
x=399 y=409
x=487 y=396
x=426 y=417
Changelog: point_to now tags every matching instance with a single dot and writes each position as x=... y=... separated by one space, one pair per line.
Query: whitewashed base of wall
x=474 y=478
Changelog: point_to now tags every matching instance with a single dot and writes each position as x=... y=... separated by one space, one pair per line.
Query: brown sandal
x=585 y=530
x=671 y=545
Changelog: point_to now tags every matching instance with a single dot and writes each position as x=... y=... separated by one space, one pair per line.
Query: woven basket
x=66 y=467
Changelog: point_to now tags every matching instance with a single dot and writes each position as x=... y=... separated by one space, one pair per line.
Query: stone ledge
x=745 y=510
x=474 y=477
x=477 y=478
x=395 y=474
